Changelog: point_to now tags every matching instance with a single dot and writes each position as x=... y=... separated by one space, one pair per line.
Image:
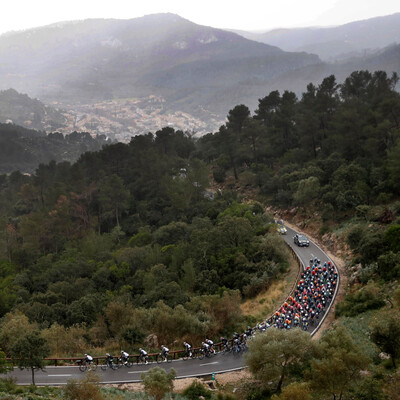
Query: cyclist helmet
x=108 y=354
x=122 y=351
x=85 y=354
x=140 y=349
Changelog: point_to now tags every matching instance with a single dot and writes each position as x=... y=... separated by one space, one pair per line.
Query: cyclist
x=188 y=348
x=211 y=344
x=225 y=343
x=206 y=347
x=109 y=359
x=143 y=355
x=124 y=357
x=164 y=351
x=88 y=358
x=249 y=330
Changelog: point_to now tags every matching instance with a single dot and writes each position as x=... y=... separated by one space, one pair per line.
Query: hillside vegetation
x=24 y=149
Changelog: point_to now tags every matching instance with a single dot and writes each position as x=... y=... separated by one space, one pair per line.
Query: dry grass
x=263 y=305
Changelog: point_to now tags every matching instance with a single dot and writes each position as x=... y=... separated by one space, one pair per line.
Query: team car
x=281 y=229
x=301 y=240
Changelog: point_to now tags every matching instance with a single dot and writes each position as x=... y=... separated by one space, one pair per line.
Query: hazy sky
x=236 y=14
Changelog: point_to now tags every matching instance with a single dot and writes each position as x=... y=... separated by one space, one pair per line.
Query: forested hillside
x=21 y=110
x=24 y=149
x=127 y=242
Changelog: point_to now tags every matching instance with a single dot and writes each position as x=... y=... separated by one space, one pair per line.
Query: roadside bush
x=196 y=390
x=8 y=385
x=157 y=382
x=85 y=389
x=367 y=298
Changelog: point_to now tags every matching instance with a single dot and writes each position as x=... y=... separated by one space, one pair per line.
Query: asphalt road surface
x=184 y=368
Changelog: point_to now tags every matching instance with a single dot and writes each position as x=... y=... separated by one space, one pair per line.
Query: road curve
x=218 y=363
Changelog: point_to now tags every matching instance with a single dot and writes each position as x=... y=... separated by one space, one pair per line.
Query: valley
x=121 y=119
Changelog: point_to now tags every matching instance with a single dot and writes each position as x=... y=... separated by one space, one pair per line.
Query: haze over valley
x=126 y=77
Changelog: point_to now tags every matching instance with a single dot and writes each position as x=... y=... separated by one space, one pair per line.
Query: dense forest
x=153 y=237
x=126 y=242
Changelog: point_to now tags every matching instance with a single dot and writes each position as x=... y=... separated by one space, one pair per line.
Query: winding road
x=184 y=368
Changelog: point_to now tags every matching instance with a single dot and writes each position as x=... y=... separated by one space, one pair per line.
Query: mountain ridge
x=335 y=43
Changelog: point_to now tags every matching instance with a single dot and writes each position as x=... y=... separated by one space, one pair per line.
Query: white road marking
x=60 y=375
x=211 y=363
x=138 y=372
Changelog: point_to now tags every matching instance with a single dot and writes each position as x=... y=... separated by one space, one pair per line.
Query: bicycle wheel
x=104 y=366
x=82 y=367
x=92 y=366
x=201 y=354
x=128 y=364
x=169 y=358
x=185 y=356
x=236 y=350
x=160 y=358
x=114 y=366
x=142 y=360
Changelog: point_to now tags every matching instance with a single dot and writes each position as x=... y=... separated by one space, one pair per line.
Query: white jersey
x=125 y=354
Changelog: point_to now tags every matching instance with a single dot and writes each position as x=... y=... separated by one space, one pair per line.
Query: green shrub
x=389 y=265
x=195 y=390
x=367 y=298
x=392 y=236
x=219 y=175
x=8 y=385
x=372 y=245
x=355 y=235
x=85 y=389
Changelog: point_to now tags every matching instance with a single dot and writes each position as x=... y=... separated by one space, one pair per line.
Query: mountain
x=20 y=109
x=387 y=59
x=192 y=67
x=360 y=38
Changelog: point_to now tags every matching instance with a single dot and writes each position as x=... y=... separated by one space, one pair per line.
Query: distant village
x=122 y=119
